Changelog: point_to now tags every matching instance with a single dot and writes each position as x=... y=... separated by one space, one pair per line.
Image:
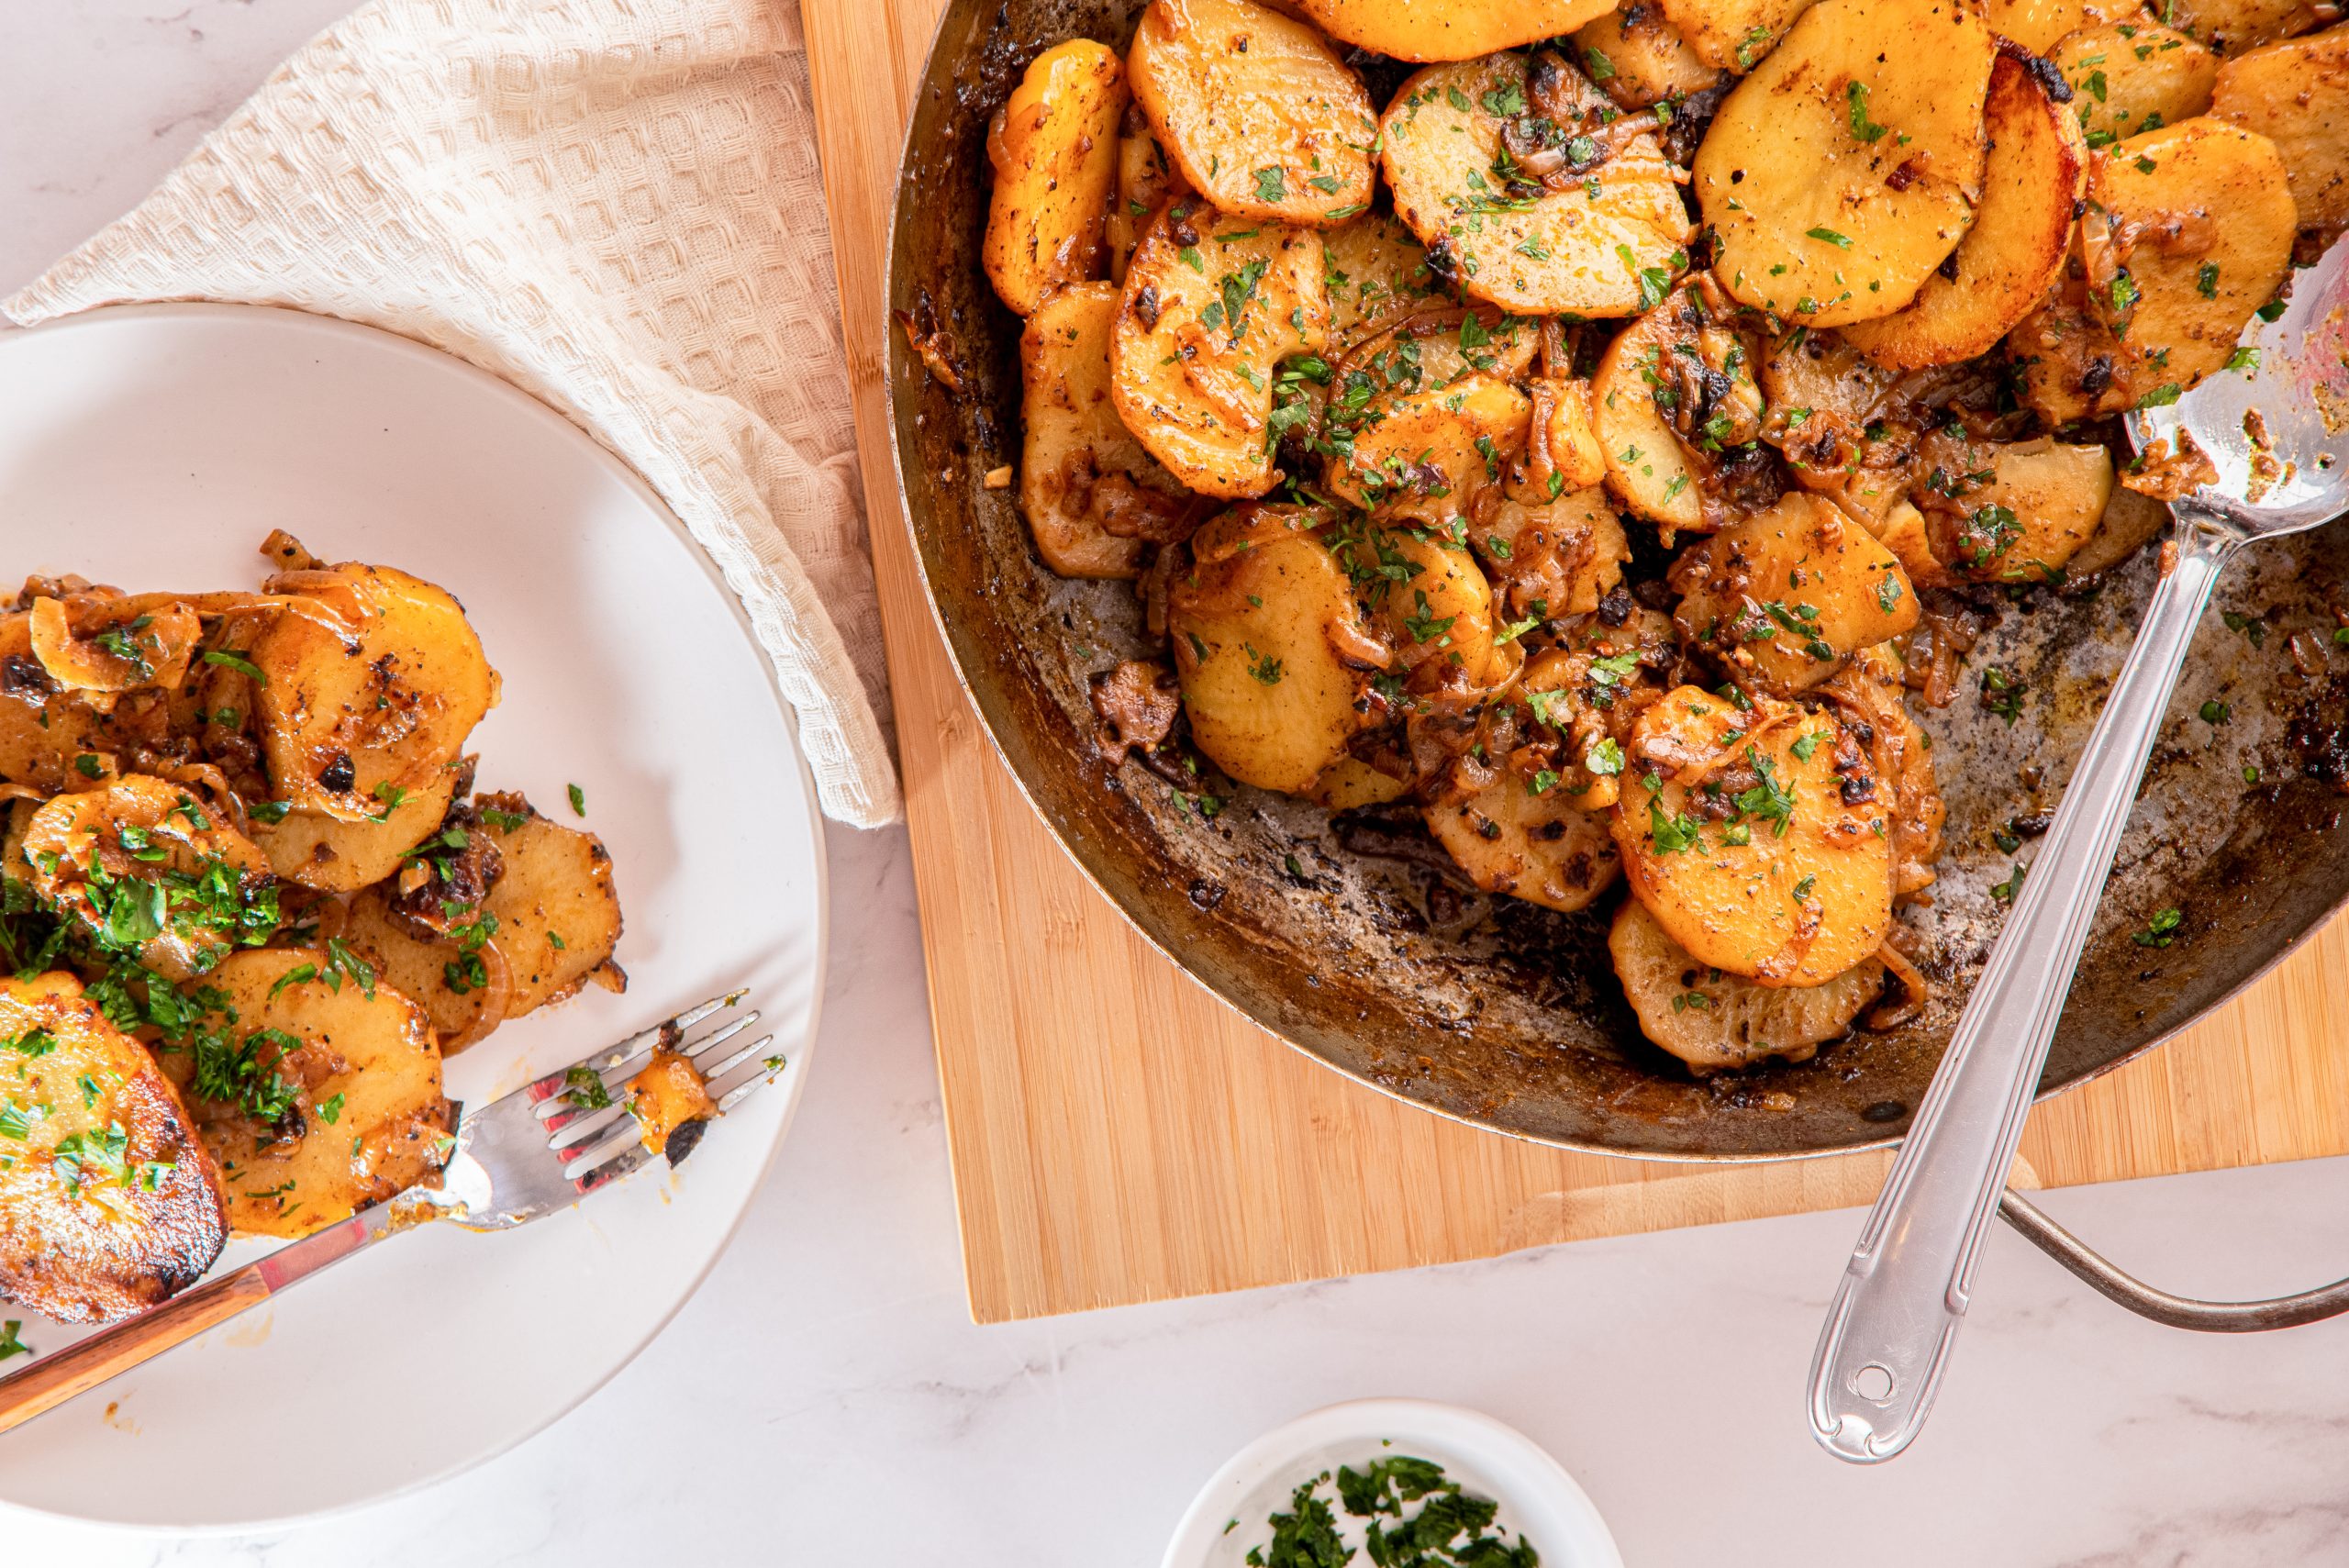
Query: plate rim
x=529 y=406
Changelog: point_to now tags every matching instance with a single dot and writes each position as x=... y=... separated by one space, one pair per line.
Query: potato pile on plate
x=1358 y=332
x=247 y=901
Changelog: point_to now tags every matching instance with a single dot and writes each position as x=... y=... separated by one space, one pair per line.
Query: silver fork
x=543 y=1147
x=2279 y=439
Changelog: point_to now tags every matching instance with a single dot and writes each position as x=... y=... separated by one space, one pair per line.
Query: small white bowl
x=1489 y=1459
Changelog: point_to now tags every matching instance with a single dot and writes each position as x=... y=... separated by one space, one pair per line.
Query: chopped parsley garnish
x=578 y=800
x=1855 y=96
x=1767 y=799
x=2160 y=930
x=1272 y=185
x=1675 y=833
x=239 y=663
x=583 y=1089
x=330 y=1110
x=1605 y=758
x=2002 y=695
x=1830 y=236
x=10 y=1345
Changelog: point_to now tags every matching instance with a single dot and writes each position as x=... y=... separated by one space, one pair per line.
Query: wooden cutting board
x=1120 y=1135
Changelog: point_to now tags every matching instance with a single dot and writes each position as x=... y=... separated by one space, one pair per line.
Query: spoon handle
x=1898 y=1307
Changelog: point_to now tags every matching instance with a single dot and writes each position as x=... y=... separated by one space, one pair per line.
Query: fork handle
x=1897 y=1308
x=108 y=1354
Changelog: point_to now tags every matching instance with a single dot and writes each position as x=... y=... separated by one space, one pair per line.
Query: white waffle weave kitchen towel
x=616 y=205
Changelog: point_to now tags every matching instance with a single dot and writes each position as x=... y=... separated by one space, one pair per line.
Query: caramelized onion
x=1915 y=991
x=216 y=782
x=496 y=994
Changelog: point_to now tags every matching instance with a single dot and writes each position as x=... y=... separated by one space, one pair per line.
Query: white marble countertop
x=825 y=1397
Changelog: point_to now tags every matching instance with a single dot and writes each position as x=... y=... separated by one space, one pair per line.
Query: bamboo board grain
x=1117 y=1135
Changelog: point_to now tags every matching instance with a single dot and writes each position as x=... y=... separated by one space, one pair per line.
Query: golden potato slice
x=1527 y=838
x=2036 y=25
x=334 y=856
x=316 y=1089
x=2128 y=77
x=1082 y=473
x=351 y=729
x=45 y=729
x=1824 y=398
x=1562 y=451
x=1756 y=838
x=1147 y=181
x=1717 y=1021
x=2042 y=501
x=1257 y=110
x=2236 y=27
x=1679 y=366
x=1376 y=271
x=2297 y=96
x=1602 y=235
x=1054 y=146
x=1552 y=559
x=151 y=870
x=1845 y=168
x=1430 y=454
x=1212 y=305
x=1784 y=597
x=422 y=965
x=1731 y=35
x=1637 y=60
x=667 y=1095
x=1433 y=601
x=1872 y=691
x=2032 y=179
x=1423 y=31
x=1349 y=783
x=2129 y=521
x=102 y=643
x=1905 y=535
x=1270 y=647
x=555 y=913
x=108 y=1202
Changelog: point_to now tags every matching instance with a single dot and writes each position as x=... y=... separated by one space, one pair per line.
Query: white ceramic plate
x=154 y=446
x=1538 y=1499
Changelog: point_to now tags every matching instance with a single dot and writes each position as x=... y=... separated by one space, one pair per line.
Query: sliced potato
x=350 y=728
x=1349 y=783
x=1845 y=168
x=334 y=856
x=1212 y=305
x=667 y=1095
x=1640 y=376
x=2128 y=77
x=1082 y=474
x=1376 y=271
x=1430 y=454
x=1270 y=647
x=557 y=912
x=2236 y=27
x=1529 y=839
x=1146 y=181
x=1431 y=349
x=1054 y=146
x=2036 y=25
x=1872 y=691
x=149 y=869
x=1603 y=240
x=101 y=643
x=2042 y=501
x=1905 y=535
x=109 y=1201
x=1637 y=60
x=1437 y=605
x=2129 y=521
x=2297 y=96
x=1562 y=450
x=318 y=1092
x=2032 y=179
x=1756 y=838
x=44 y=728
x=1553 y=558
x=1717 y=1021
x=1257 y=110
x=425 y=966
x=1731 y=35
x=1784 y=597
x=1833 y=412
x=1447 y=30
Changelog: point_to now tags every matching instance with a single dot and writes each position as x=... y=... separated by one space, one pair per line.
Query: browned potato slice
x=2134 y=76
x=2042 y=503
x=421 y=965
x=2032 y=178
x=1562 y=450
x=334 y=856
x=1146 y=182
x=351 y=729
x=1437 y=605
x=1430 y=454
x=2235 y=27
x=1714 y=1020
x=557 y=913
x=1731 y=35
x=2130 y=520
x=1905 y=536
x=1447 y=30
x=2297 y=96
x=1872 y=691
x=1270 y=646
x=2036 y=25
x=665 y=1097
x=1637 y=60
x=1054 y=149
x=151 y=869
x=1756 y=838
x=1081 y=470
x=1257 y=110
x=100 y=643
x=1825 y=397
x=1529 y=839
x=1784 y=597
x=1212 y=305
x=318 y=1091
x=1349 y=783
x=1376 y=271
x=1554 y=558
x=44 y=729
x=1606 y=242
x=108 y=1202
x=1842 y=170
x=1659 y=363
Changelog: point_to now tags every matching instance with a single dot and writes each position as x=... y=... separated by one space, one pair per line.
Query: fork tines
x=583 y=1110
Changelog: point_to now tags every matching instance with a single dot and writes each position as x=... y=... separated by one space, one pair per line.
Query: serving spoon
x=2279 y=437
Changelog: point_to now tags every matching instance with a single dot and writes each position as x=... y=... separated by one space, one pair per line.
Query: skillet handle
x=2173 y=1311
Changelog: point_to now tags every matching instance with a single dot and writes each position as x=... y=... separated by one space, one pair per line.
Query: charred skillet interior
x=1352 y=937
